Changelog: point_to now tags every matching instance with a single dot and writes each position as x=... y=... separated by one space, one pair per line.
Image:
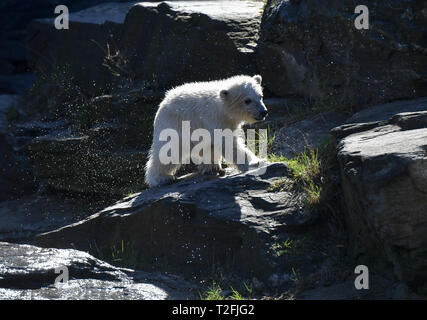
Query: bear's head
x=243 y=99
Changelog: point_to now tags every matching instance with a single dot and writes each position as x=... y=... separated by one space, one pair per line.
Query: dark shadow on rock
x=194 y=227
x=383 y=169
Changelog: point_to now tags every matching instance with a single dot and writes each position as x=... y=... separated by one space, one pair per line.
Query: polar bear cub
x=212 y=106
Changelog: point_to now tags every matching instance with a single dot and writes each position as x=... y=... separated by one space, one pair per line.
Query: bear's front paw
x=263 y=162
x=258 y=163
x=242 y=167
x=211 y=169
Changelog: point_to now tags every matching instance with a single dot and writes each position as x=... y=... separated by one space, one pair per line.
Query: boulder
x=7 y=101
x=309 y=133
x=379 y=289
x=385 y=111
x=28 y=273
x=383 y=168
x=100 y=149
x=14 y=19
x=17 y=83
x=15 y=173
x=81 y=47
x=191 y=40
x=201 y=226
x=23 y=218
x=165 y=43
x=74 y=162
x=312 y=48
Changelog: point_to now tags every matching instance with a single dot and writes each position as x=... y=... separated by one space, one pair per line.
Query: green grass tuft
x=214 y=292
x=122 y=255
x=306 y=169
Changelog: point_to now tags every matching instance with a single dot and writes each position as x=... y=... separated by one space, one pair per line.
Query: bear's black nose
x=264 y=113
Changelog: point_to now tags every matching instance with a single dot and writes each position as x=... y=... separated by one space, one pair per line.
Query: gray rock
x=187 y=41
x=15 y=174
x=379 y=289
x=100 y=150
x=383 y=167
x=6 y=102
x=81 y=47
x=68 y=161
x=21 y=219
x=191 y=40
x=195 y=226
x=385 y=111
x=28 y=272
x=6 y=67
x=312 y=48
x=17 y=83
x=309 y=133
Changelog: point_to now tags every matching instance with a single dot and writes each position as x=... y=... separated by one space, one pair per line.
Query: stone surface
x=6 y=102
x=69 y=162
x=309 y=133
x=28 y=272
x=14 y=18
x=186 y=41
x=23 y=218
x=15 y=174
x=196 y=226
x=386 y=111
x=379 y=289
x=16 y=83
x=81 y=47
x=191 y=40
x=384 y=178
x=107 y=156
x=312 y=48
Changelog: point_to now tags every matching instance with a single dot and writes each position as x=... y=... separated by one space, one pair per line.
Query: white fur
x=209 y=105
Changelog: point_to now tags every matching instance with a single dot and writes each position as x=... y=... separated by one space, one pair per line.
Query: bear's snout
x=264 y=113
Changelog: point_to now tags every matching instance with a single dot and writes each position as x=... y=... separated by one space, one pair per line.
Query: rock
x=383 y=167
x=386 y=111
x=14 y=18
x=191 y=40
x=7 y=101
x=188 y=41
x=6 y=67
x=309 y=133
x=107 y=156
x=15 y=174
x=400 y=291
x=28 y=272
x=69 y=162
x=199 y=225
x=21 y=219
x=379 y=289
x=81 y=47
x=16 y=83
x=312 y=48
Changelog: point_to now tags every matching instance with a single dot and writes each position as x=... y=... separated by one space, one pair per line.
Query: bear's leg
x=157 y=173
x=212 y=168
x=242 y=157
x=216 y=162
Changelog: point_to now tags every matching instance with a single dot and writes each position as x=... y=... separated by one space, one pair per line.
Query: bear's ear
x=257 y=78
x=224 y=94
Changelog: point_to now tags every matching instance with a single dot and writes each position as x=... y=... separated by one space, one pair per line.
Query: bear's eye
x=248 y=101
